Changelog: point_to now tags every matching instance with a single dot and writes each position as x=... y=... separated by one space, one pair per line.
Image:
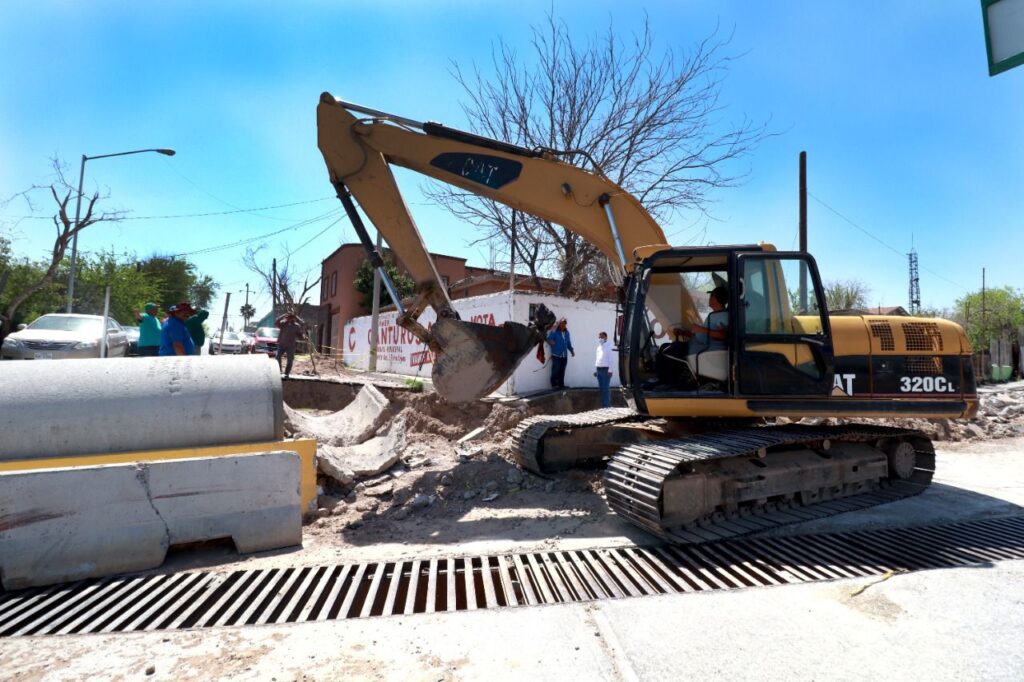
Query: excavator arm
x=359 y=145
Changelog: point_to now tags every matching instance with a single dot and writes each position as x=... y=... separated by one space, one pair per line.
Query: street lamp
x=78 y=209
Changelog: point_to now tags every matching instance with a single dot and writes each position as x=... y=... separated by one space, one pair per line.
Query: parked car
x=59 y=336
x=133 y=339
x=265 y=340
x=233 y=343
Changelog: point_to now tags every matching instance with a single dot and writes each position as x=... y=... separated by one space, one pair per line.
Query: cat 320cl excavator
x=696 y=455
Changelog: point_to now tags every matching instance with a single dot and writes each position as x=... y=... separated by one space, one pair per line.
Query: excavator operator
x=711 y=335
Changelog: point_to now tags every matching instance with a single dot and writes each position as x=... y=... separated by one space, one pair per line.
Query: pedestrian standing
x=196 y=329
x=288 y=337
x=603 y=362
x=561 y=348
x=149 y=330
x=174 y=336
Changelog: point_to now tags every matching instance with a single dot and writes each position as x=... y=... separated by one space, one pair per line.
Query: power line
x=191 y=215
x=317 y=235
x=243 y=242
x=883 y=243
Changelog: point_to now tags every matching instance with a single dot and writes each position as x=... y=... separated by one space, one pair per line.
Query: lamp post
x=78 y=209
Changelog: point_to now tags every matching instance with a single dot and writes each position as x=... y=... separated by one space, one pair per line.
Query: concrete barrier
x=306 y=449
x=58 y=525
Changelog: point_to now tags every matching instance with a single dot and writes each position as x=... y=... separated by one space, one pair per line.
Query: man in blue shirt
x=174 y=336
x=561 y=347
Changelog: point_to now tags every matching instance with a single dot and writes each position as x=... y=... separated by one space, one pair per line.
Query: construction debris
x=428 y=462
x=354 y=424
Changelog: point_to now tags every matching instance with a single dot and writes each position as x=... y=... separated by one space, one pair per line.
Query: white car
x=233 y=344
x=60 y=336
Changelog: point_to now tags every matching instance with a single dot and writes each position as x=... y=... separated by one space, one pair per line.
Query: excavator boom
x=471 y=360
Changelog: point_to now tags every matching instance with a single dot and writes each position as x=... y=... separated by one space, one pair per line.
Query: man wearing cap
x=713 y=333
x=149 y=330
x=174 y=336
x=287 y=339
x=561 y=348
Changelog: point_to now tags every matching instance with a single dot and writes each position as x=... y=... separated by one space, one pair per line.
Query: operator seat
x=710 y=364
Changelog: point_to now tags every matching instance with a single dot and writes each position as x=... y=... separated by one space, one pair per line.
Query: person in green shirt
x=195 y=329
x=149 y=330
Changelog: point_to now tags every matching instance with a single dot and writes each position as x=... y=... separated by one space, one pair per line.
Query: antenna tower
x=915 y=284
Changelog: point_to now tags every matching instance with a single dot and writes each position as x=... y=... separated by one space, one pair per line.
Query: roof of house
x=386 y=250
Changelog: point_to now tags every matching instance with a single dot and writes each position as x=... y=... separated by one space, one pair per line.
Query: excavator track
x=529 y=435
x=636 y=477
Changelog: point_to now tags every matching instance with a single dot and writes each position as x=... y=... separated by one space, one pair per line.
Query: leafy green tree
x=179 y=281
x=1003 y=312
x=364 y=283
x=130 y=287
x=248 y=312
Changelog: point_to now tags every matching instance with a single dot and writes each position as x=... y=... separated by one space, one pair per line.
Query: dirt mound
x=423 y=423
x=503 y=419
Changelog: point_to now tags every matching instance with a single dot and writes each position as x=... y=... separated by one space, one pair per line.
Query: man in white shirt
x=603 y=362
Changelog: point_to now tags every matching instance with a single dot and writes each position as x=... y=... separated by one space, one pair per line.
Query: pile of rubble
x=392 y=458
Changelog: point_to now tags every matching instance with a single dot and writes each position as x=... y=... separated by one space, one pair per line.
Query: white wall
x=400 y=352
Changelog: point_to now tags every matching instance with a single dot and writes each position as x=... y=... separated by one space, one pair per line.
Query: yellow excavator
x=696 y=455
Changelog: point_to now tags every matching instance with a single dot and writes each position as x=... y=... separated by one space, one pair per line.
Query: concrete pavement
x=933 y=625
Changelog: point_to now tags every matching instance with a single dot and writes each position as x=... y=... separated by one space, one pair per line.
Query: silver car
x=233 y=343
x=60 y=336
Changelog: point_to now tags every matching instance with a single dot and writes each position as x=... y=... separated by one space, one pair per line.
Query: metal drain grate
x=293 y=595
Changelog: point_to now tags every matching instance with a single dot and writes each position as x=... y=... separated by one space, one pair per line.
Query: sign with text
x=400 y=352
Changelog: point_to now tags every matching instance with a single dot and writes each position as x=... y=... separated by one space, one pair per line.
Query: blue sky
x=907 y=135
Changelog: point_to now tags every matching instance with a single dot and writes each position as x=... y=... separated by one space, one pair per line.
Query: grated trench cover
x=318 y=593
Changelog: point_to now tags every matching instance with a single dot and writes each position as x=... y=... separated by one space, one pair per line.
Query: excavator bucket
x=474 y=359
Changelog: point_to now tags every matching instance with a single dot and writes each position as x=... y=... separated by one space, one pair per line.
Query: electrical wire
x=191 y=215
x=885 y=244
x=243 y=242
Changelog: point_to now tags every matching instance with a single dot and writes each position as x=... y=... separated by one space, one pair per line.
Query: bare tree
x=66 y=229
x=647 y=120
x=291 y=295
x=284 y=280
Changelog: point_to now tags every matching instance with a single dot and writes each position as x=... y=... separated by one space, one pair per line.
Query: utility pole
x=273 y=287
x=803 y=230
x=512 y=257
x=984 y=311
x=224 y=323
x=375 y=313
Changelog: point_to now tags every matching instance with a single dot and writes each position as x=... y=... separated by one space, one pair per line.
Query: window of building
x=334 y=283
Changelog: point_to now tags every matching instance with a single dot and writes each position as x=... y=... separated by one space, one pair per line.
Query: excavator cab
x=769 y=339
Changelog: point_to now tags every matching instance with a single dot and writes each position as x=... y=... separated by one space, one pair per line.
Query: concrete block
x=349 y=426
x=366 y=459
x=58 y=525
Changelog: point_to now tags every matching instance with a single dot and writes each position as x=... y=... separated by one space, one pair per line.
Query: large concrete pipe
x=52 y=408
